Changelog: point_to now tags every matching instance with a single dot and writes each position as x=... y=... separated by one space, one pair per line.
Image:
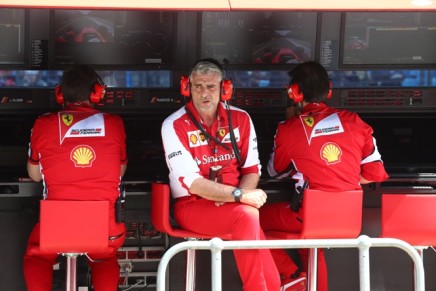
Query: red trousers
x=278 y=216
x=256 y=267
x=105 y=271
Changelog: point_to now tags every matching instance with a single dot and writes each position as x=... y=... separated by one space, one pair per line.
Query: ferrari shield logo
x=67 y=119
x=309 y=121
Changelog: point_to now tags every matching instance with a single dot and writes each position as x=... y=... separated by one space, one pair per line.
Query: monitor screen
x=406 y=143
x=388 y=38
x=243 y=38
x=112 y=38
x=12 y=35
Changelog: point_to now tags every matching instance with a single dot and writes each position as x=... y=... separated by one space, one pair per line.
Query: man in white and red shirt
x=80 y=154
x=326 y=148
x=211 y=152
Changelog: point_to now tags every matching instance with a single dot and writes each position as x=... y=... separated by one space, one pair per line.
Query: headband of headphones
x=226 y=86
x=296 y=95
x=96 y=95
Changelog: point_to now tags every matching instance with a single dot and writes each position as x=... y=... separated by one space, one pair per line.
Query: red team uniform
x=189 y=155
x=326 y=137
x=80 y=151
x=328 y=148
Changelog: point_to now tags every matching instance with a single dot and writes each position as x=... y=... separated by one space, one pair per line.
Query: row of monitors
x=135 y=38
x=241 y=79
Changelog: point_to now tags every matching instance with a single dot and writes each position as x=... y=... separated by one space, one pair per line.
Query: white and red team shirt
x=80 y=151
x=329 y=148
x=189 y=154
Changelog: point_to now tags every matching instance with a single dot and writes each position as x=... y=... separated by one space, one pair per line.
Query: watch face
x=237 y=192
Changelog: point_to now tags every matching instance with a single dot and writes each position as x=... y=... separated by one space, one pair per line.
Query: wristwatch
x=237 y=194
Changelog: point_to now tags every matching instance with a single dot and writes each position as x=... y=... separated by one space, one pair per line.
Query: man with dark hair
x=80 y=154
x=322 y=148
x=211 y=152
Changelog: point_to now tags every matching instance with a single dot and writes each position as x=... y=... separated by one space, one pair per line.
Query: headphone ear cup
x=226 y=90
x=185 y=87
x=97 y=93
x=294 y=93
x=329 y=94
x=58 y=95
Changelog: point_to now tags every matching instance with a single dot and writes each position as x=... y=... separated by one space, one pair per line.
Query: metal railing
x=363 y=243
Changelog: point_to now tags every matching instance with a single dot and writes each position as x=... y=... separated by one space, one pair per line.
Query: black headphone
x=226 y=85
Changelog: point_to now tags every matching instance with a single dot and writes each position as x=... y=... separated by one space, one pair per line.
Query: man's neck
x=208 y=118
x=79 y=103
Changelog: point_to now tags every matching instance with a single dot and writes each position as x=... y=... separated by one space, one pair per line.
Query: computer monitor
x=387 y=39
x=12 y=35
x=113 y=38
x=258 y=38
x=406 y=141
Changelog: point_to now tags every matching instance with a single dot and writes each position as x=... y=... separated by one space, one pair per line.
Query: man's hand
x=254 y=197
x=34 y=172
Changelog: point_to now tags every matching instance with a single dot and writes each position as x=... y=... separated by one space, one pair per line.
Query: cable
x=140 y=252
x=134 y=285
x=232 y=135
x=201 y=128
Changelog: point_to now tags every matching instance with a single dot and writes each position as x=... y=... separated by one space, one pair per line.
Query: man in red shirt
x=319 y=147
x=80 y=154
x=211 y=152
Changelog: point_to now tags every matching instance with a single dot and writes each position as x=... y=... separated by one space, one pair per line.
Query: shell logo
x=83 y=156
x=331 y=153
x=193 y=138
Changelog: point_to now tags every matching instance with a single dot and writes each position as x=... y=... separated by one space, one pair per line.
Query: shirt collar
x=313 y=107
x=79 y=106
x=222 y=112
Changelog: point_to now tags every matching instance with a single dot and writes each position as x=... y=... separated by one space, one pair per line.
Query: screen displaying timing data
x=394 y=38
x=104 y=37
x=244 y=38
x=12 y=31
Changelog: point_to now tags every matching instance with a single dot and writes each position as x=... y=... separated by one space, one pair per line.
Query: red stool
x=326 y=215
x=73 y=228
x=160 y=218
x=410 y=217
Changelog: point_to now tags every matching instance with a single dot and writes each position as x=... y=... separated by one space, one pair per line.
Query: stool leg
x=312 y=269
x=190 y=270
x=71 y=272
